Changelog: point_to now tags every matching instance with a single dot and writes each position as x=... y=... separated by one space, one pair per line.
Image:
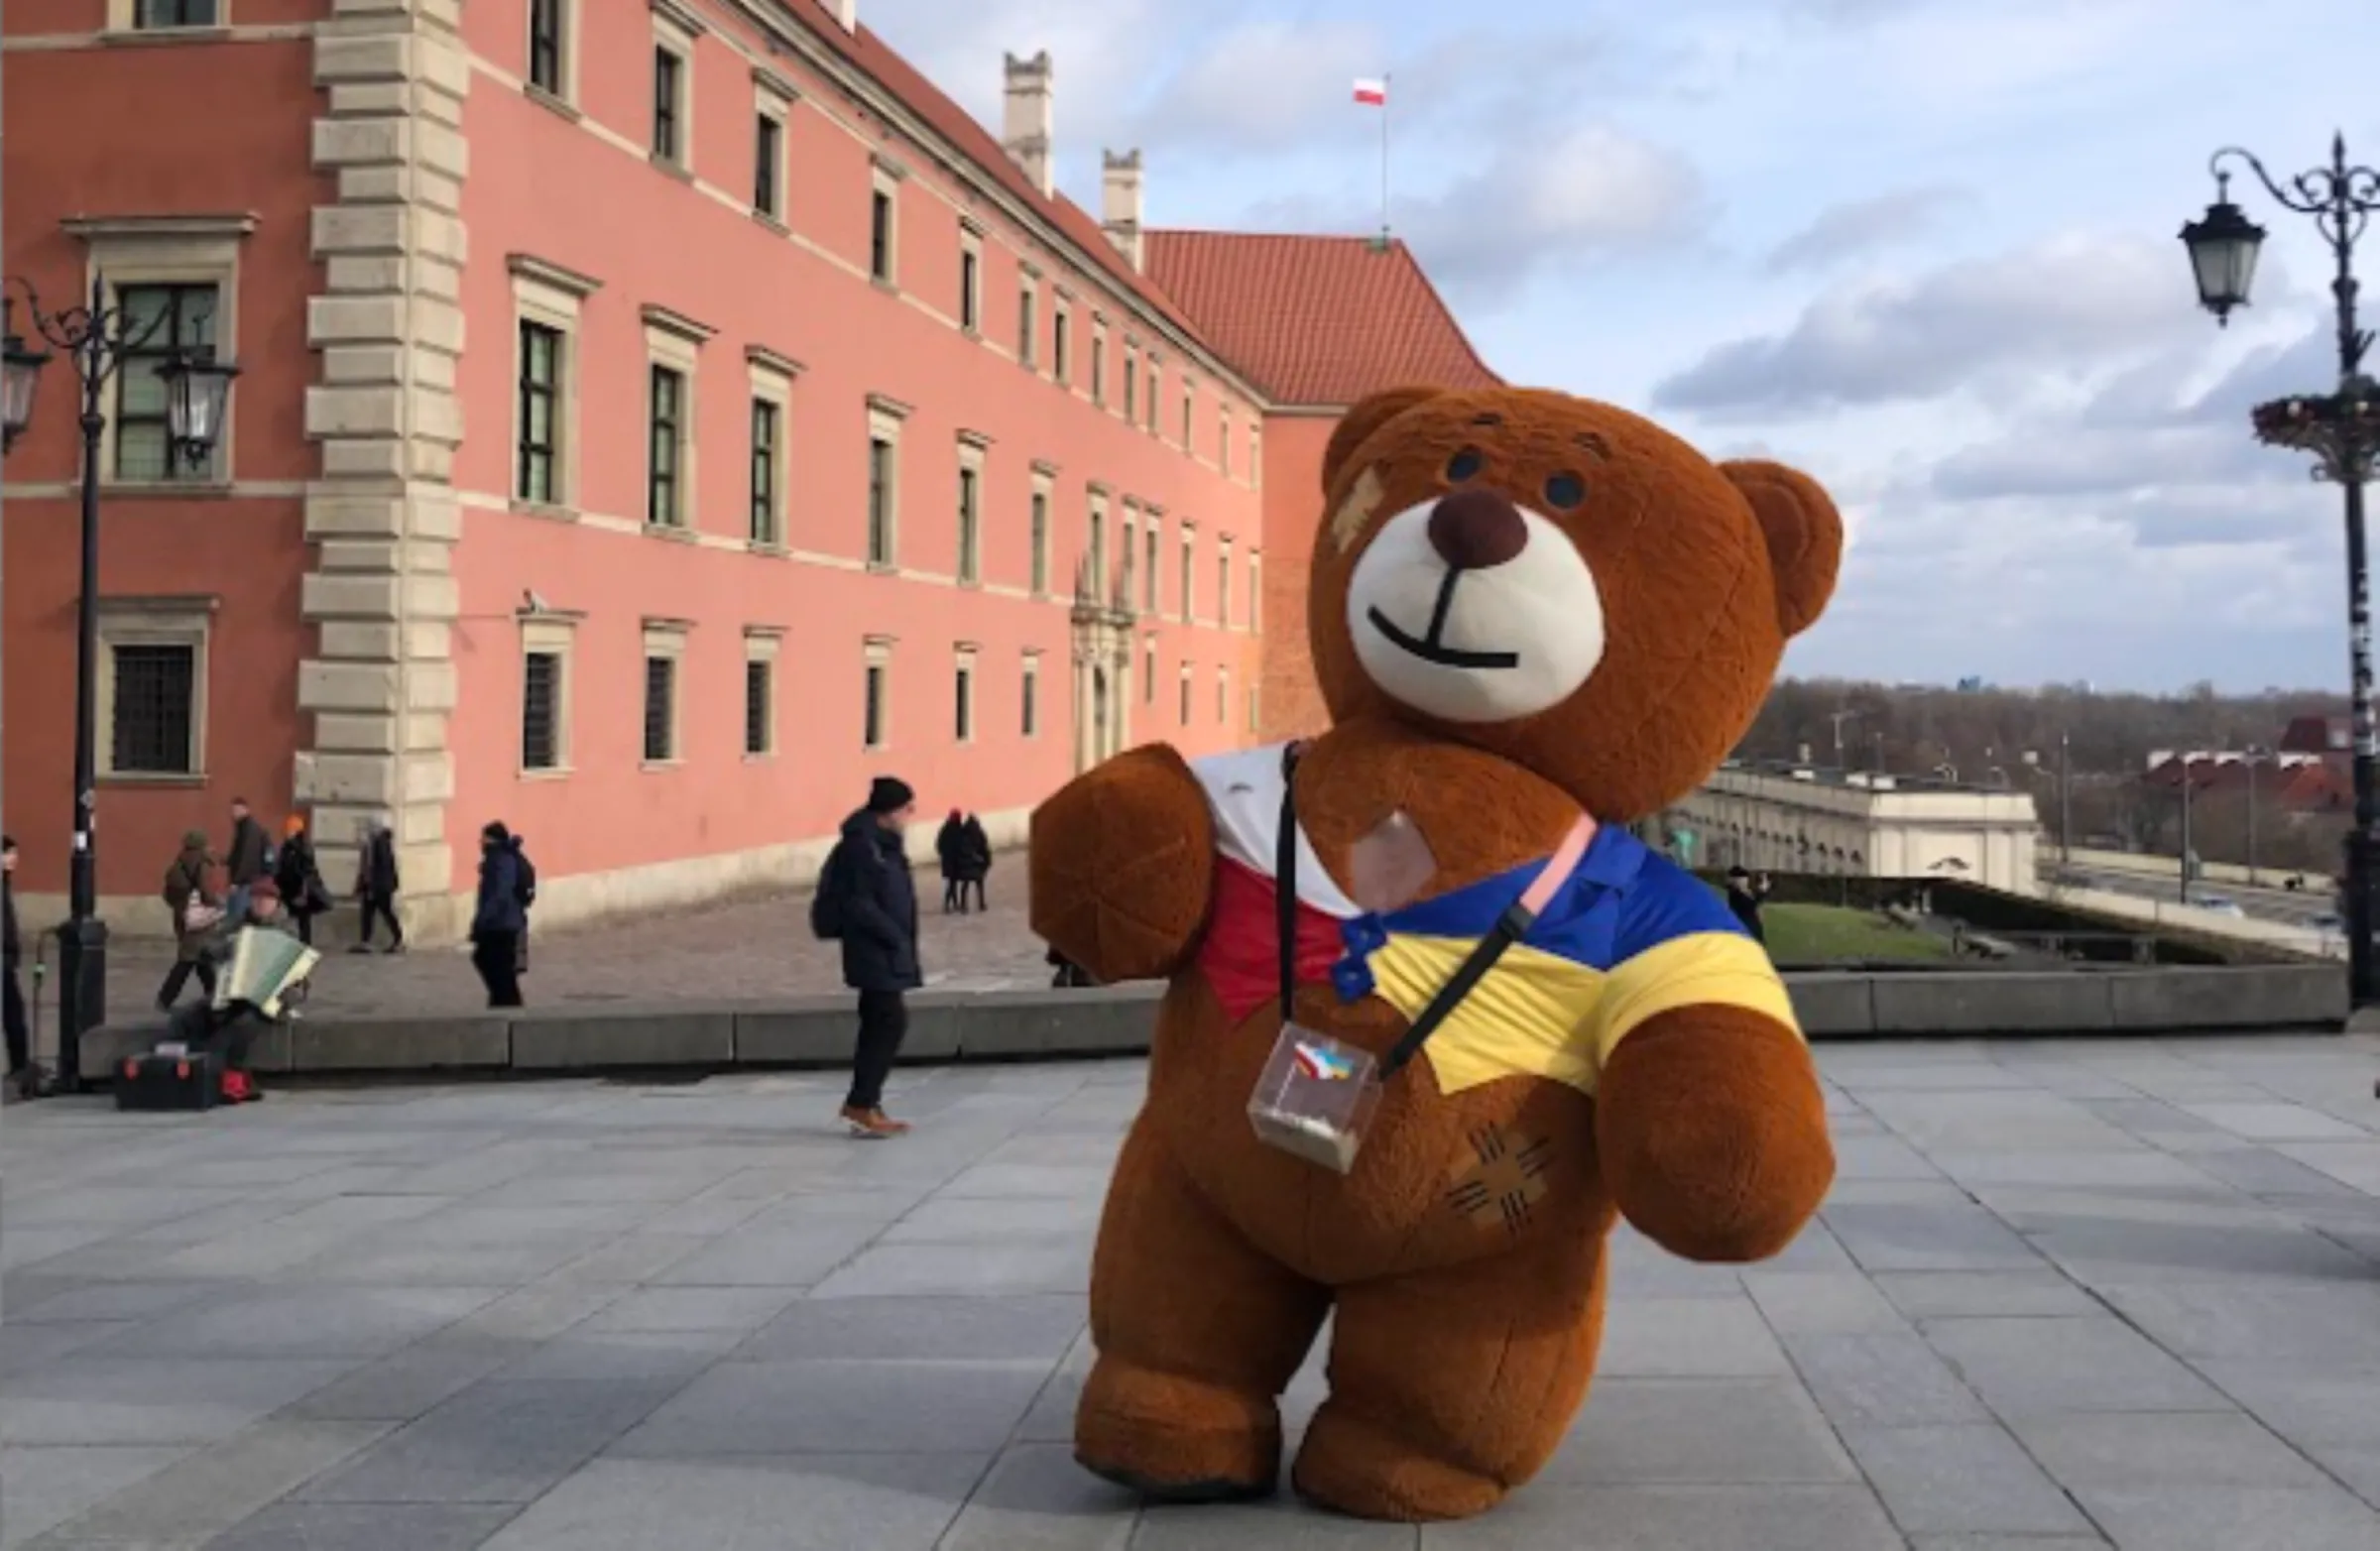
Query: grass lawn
x=1818 y=933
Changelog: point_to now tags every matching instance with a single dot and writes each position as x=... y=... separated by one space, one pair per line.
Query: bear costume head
x=1562 y=583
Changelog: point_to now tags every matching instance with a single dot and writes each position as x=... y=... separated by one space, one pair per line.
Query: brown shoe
x=872 y=1123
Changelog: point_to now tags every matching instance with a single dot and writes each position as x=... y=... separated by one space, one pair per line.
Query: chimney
x=1120 y=202
x=847 y=15
x=1025 y=127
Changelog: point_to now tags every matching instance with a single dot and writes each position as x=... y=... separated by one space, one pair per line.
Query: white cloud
x=1861 y=226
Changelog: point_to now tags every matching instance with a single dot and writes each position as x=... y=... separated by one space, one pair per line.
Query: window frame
x=131 y=16
x=1132 y=379
x=1028 y=692
x=1095 y=542
x=526 y=392
x=971 y=279
x=547 y=634
x=963 y=687
x=673 y=343
x=771 y=381
x=1043 y=504
x=564 y=88
x=969 y=514
x=763 y=644
x=1153 y=581
x=876 y=694
x=1189 y=573
x=1128 y=570
x=183 y=623
x=1099 y=361
x=1189 y=677
x=1061 y=342
x=672 y=512
x=1148 y=670
x=1223 y=580
x=668 y=142
x=194 y=249
x=884 y=237
x=664 y=641
x=769 y=163
x=1028 y=322
x=142 y=361
x=550 y=296
x=885 y=422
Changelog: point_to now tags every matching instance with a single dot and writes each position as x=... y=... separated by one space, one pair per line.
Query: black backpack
x=525 y=883
x=826 y=904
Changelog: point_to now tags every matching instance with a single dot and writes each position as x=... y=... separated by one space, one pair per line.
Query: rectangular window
x=163 y=320
x=669 y=106
x=663 y=493
x=1148 y=571
x=1185 y=694
x=1061 y=347
x=1099 y=371
x=660 y=709
x=768 y=165
x=970 y=531
x=1131 y=380
x=1189 y=575
x=159 y=14
x=1031 y=702
x=971 y=290
x=1222 y=589
x=541 y=404
x=1129 y=567
x=541 y=711
x=880 y=501
x=1024 y=326
x=963 y=692
x=545 y=46
x=1148 y=671
x=879 y=235
x=1156 y=392
x=765 y=527
x=760 y=725
x=155 y=709
x=1222 y=440
x=1040 y=542
x=1189 y=416
x=1222 y=695
x=875 y=708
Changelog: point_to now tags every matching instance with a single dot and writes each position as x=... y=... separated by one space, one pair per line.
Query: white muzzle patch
x=1492 y=645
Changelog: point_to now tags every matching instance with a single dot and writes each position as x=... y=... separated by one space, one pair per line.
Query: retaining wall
x=1001 y=1025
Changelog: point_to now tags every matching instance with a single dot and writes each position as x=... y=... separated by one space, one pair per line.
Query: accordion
x=263 y=967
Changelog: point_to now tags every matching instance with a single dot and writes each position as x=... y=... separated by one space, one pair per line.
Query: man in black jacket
x=876 y=898
x=249 y=859
x=20 y=1032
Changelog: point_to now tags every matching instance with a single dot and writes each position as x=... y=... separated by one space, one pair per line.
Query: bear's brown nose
x=1472 y=530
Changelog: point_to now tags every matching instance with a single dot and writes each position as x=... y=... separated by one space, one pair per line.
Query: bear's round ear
x=1803 y=533
x=1357 y=425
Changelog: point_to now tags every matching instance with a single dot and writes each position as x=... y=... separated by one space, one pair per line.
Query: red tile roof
x=1316 y=322
x=874 y=58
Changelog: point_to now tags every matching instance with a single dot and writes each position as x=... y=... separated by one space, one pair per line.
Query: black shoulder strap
x=1509 y=930
x=1284 y=881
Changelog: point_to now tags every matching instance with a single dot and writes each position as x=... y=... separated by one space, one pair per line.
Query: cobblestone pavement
x=2070 y=1295
x=750 y=948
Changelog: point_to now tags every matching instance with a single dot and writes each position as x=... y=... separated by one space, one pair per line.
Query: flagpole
x=1385 y=83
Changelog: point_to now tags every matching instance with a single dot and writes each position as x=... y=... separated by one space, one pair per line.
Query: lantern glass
x=197 y=387
x=20 y=375
x=2224 y=245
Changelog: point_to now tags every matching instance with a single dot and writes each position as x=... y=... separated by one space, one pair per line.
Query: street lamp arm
x=95 y=335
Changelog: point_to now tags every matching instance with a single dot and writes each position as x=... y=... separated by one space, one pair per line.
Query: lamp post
x=2187 y=779
x=2343 y=431
x=2255 y=755
x=97 y=337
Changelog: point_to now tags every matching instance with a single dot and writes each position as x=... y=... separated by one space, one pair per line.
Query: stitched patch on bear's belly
x=1503 y=1181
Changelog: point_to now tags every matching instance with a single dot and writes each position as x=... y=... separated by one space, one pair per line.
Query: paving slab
x=2065 y=1297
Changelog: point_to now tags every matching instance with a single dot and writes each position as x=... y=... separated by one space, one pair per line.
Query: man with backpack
x=867 y=900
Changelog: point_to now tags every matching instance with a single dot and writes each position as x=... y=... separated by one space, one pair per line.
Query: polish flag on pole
x=1372 y=93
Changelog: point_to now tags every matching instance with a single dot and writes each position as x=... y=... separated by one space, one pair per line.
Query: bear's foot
x=1354 y=1466
x=1176 y=1440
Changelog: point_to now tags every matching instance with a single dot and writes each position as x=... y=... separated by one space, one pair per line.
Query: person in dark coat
x=950 y=849
x=499 y=917
x=248 y=860
x=877 y=899
x=185 y=887
x=20 y=1029
x=1745 y=895
x=376 y=885
x=975 y=858
x=300 y=879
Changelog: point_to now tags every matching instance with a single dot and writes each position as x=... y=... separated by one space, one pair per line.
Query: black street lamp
x=97 y=338
x=2343 y=431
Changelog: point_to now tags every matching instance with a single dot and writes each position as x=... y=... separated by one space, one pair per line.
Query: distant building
x=1787 y=818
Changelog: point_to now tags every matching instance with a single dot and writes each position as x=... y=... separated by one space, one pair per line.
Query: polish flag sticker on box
x=1374 y=92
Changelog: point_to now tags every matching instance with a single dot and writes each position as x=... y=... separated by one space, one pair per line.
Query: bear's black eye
x=1464 y=467
x=1565 y=492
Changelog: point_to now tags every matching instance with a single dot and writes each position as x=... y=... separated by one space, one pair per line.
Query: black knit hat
x=890 y=794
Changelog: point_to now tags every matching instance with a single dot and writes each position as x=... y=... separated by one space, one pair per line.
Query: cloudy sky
x=1923 y=248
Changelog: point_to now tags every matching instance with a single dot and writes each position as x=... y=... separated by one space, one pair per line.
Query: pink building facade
x=656 y=419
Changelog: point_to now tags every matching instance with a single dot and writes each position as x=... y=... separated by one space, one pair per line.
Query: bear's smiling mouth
x=1430 y=647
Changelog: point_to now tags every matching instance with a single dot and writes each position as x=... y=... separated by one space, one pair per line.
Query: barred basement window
x=660 y=709
x=163 y=320
x=159 y=14
x=540 y=394
x=541 y=711
x=155 y=694
x=758 y=678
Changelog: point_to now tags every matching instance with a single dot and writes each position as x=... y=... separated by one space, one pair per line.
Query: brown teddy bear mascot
x=1535 y=619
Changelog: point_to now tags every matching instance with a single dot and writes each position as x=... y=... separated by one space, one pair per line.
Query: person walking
x=975 y=851
x=870 y=899
x=1744 y=896
x=950 y=850
x=298 y=877
x=249 y=858
x=498 y=918
x=376 y=885
x=196 y=913
x=21 y=1070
